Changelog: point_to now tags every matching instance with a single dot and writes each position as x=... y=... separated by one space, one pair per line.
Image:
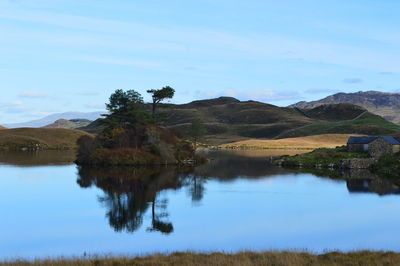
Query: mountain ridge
x=385 y=104
x=54 y=117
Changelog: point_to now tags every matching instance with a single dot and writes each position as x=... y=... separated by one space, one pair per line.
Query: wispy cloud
x=33 y=94
x=386 y=73
x=97 y=106
x=203 y=41
x=352 y=80
x=262 y=95
x=88 y=93
x=321 y=91
x=118 y=61
x=15 y=107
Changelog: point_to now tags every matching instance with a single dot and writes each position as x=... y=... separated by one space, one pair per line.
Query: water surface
x=50 y=207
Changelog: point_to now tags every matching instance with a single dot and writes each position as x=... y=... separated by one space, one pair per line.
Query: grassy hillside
x=334 y=112
x=309 y=142
x=39 y=138
x=93 y=128
x=366 y=124
x=228 y=120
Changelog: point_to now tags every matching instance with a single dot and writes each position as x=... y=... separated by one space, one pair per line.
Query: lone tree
x=126 y=108
x=197 y=131
x=159 y=95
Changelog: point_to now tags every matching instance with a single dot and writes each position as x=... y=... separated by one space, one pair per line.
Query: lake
x=238 y=201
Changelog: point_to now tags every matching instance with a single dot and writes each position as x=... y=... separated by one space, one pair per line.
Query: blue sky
x=63 y=55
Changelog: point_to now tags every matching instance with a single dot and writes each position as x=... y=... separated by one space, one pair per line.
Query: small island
x=132 y=136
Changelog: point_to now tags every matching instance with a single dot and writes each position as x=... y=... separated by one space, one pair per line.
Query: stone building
x=375 y=146
x=359 y=144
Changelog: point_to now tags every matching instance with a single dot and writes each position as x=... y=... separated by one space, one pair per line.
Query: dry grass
x=365 y=258
x=309 y=142
x=48 y=138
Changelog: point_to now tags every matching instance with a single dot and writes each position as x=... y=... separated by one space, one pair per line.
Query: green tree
x=160 y=95
x=126 y=109
x=197 y=130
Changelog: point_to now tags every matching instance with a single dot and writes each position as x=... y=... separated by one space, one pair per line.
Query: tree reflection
x=128 y=193
x=195 y=184
x=157 y=224
x=131 y=193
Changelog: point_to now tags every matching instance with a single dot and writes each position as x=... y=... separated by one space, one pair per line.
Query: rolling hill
x=228 y=119
x=39 y=138
x=69 y=124
x=383 y=104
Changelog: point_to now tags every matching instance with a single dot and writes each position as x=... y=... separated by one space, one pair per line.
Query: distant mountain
x=69 y=124
x=54 y=117
x=228 y=119
x=383 y=104
x=1 y=128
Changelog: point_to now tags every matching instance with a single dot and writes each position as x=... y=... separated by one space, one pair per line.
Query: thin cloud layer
x=352 y=80
x=33 y=94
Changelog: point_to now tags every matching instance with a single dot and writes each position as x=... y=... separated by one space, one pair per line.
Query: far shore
x=299 y=143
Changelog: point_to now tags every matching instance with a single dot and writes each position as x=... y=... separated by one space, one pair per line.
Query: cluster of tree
x=126 y=126
x=127 y=108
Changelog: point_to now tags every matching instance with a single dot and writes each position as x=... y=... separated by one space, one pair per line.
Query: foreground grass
x=365 y=258
x=307 y=143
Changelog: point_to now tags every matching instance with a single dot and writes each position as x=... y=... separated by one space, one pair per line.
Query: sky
x=63 y=55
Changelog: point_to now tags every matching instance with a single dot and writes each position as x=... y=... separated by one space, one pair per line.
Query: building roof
x=361 y=140
x=369 y=139
x=391 y=140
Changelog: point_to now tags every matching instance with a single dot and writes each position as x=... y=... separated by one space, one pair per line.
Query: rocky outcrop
x=357 y=163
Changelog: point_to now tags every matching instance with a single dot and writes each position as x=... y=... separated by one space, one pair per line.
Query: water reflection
x=363 y=181
x=37 y=158
x=130 y=192
x=239 y=202
x=358 y=180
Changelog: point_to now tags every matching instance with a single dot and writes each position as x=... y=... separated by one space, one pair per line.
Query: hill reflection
x=38 y=158
x=129 y=193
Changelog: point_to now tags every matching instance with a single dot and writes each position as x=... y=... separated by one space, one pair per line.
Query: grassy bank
x=388 y=166
x=39 y=138
x=368 y=124
x=365 y=258
x=322 y=157
x=301 y=143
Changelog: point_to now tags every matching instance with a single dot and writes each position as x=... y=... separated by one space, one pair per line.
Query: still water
x=50 y=207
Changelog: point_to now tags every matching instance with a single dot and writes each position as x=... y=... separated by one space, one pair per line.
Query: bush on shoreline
x=388 y=166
